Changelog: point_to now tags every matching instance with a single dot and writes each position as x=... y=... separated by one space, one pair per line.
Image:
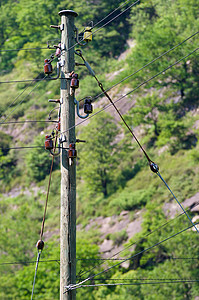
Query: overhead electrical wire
x=105 y=24
x=148 y=64
x=130 y=92
x=137 y=241
x=90 y=259
x=21 y=101
x=131 y=75
x=29 y=121
x=25 y=49
x=147 y=81
x=32 y=81
x=26 y=80
x=27 y=147
x=133 y=4
x=19 y=95
x=153 y=166
x=40 y=243
x=17 y=81
x=36 y=268
x=111 y=13
x=35 y=79
x=82 y=39
x=146 y=279
x=135 y=283
x=46 y=48
x=75 y=286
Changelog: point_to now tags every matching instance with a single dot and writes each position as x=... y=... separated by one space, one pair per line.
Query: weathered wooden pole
x=68 y=172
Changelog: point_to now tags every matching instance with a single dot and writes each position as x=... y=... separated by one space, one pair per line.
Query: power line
x=129 y=258
x=46 y=48
x=136 y=242
x=105 y=23
x=37 y=263
x=27 y=80
x=29 y=262
x=40 y=243
x=28 y=147
x=131 y=91
x=20 y=94
x=148 y=64
x=141 y=85
x=135 y=283
x=90 y=259
x=23 y=147
x=48 y=78
x=153 y=166
x=22 y=101
x=143 y=279
x=111 y=13
x=24 y=49
x=29 y=121
x=159 y=175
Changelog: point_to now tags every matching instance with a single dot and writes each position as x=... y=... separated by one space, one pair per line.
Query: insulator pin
x=40 y=245
x=48 y=69
x=72 y=153
x=48 y=142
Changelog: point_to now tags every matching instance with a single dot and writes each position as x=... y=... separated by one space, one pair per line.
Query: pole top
x=68 y=12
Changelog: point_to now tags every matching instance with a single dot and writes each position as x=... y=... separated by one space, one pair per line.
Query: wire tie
x=68 y=287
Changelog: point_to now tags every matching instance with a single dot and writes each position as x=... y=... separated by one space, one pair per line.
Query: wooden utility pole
x=68 y=172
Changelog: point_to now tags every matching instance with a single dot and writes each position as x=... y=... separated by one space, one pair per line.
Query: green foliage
x=38 y=161
x=47 y=280
x=134 y=200
x=112 y=175
x=5 y=141
x=99 y=154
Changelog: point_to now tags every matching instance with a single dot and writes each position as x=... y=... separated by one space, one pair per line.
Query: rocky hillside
x=146 y=55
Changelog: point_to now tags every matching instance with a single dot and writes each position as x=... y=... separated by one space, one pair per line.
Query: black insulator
x=154 y=168
x=88 y=108
x=40 y=245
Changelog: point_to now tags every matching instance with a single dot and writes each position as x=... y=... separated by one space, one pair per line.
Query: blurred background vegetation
x=112 y=174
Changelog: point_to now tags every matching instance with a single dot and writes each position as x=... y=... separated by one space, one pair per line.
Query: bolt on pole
x=68 y=171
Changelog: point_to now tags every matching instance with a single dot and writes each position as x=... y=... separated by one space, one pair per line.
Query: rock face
x=111 y=226
x=172 y=208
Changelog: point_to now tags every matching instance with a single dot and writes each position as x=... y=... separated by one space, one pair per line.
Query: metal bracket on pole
x=63 y=46
x=63 y=138
x=60 y=27
x=78 y=113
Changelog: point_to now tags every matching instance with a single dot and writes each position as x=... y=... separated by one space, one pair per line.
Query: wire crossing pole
x=68 y=172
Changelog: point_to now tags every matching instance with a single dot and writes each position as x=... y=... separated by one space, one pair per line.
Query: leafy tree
x=98 y=157
x=158 y=26
x=160 y=120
